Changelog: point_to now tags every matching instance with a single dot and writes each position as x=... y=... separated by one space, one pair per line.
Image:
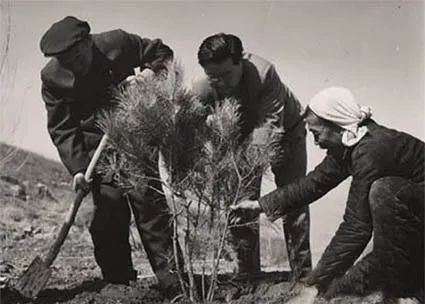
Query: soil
x=27 y=228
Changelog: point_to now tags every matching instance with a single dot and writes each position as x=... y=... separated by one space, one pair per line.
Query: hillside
x=31 y=167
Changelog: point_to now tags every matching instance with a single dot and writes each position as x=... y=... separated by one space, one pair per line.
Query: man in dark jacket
x=76 y=86
x=263 y=99
x=386 y=197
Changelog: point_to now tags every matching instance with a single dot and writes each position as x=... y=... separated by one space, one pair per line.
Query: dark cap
x=62 y=35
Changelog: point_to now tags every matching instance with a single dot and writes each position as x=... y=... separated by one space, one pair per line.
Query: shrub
x=210 y=165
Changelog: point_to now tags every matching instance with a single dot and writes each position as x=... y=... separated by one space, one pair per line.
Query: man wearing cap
x=386 y=198
x=76 y=84
x=263 y=99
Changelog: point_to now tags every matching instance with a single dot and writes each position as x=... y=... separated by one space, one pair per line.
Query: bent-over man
x=263 y=99
x=76 y=86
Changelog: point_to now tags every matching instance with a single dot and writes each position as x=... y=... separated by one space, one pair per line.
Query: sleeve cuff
x=264 y=205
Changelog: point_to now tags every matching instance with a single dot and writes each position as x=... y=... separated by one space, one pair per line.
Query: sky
x=374 y=48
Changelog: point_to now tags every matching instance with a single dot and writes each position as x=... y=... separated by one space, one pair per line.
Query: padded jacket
x=381 y=152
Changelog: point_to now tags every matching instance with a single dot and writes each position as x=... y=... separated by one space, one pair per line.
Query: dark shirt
x=73 y=103
x=382 y=152
x=263 y=98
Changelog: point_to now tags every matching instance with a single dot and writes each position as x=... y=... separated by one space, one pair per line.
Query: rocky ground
x=34 y=197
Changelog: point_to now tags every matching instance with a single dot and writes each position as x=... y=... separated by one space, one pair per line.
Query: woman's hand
x=247 y=205
x=307 y=295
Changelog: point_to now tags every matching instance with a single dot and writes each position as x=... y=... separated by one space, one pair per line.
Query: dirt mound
x=93 y=292
x=268 y=289
x=256 y=290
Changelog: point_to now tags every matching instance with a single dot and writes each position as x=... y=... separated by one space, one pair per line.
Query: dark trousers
x=110 y=231
x=396 y=264
x=296 y=225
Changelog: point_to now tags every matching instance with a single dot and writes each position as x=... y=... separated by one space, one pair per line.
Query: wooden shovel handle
x=95 y=157
x=54 y=250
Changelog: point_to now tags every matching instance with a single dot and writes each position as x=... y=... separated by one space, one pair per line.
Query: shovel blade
x=34 y=279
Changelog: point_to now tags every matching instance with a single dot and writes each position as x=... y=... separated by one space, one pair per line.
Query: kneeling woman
x=386 y=198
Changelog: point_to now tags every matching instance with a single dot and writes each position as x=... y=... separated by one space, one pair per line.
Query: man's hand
x=79 y=182
x=147 y=73
x=132 y=79
x=306 y=296
x=242 y=209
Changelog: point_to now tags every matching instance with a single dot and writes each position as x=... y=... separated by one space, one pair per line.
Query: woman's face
x=325 y=135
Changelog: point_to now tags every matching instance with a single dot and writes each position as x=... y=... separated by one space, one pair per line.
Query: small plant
x=210 y=165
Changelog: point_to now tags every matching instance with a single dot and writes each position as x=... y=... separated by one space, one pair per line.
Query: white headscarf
x=339 y=106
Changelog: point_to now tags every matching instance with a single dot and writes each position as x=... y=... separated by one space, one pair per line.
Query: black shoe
x=248 y=275
x=122 y=278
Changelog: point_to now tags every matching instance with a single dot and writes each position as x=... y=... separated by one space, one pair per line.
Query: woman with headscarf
x=386 y=198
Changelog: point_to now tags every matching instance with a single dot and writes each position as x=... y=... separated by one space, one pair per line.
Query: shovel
x=38 y=273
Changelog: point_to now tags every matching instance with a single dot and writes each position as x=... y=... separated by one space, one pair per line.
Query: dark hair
x=219 y=47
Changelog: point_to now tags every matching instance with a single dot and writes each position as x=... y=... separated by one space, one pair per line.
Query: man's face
x=224 y=77
x=325 y=136
x=79 y=58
